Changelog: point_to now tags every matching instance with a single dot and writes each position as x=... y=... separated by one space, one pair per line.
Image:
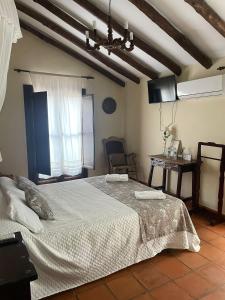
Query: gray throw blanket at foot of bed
x=158 y=218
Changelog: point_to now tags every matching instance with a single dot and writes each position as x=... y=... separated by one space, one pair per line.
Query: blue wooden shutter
x=36 y=115
x=41 y=133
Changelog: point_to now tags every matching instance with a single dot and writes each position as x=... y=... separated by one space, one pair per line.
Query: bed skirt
x=180 y=240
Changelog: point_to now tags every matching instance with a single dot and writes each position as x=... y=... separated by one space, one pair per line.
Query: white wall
x=33 y=54
x=197 y=120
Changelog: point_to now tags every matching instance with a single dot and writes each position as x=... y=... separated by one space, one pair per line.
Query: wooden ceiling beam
x=76 y=41
x=71 y=52
x=208 y=14
x=174 y=33
x=81 y=28
x=146 y=47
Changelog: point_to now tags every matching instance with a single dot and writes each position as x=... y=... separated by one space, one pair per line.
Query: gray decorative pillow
x=24 y=183
x=37 y=201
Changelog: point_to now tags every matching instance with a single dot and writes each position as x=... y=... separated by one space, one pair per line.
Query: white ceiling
x=178 y=12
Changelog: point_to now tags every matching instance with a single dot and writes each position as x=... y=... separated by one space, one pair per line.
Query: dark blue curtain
x=37 y=133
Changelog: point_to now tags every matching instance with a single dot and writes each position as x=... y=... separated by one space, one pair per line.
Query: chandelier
x=125 y=43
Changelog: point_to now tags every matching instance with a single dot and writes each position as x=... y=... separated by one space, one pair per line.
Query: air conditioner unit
x=204 y=87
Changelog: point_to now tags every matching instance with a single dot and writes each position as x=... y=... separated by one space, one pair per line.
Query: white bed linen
x=93 y=236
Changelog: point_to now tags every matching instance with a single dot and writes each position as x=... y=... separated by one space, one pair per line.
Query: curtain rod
x=54 y=74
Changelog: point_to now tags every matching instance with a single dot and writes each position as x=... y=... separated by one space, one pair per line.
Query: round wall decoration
x=109 y=105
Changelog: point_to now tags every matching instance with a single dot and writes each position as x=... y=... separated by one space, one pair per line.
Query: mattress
x=93 y=235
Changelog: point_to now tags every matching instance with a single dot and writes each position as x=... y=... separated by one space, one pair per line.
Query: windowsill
x=63 y=178
x=59 y=179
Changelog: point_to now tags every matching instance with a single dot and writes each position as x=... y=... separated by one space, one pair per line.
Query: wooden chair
x=117 y=159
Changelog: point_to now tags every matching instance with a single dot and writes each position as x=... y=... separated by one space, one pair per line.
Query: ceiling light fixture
x=125 y=43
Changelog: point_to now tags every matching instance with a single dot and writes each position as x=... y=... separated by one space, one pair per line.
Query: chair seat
x=129 y=168
x=121 y=166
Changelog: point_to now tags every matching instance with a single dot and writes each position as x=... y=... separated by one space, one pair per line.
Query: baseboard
x=210 y=210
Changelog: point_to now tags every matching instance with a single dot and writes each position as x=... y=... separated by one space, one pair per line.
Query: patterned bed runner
x=157 y=217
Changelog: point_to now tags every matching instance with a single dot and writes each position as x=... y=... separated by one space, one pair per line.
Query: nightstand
x=16 y=271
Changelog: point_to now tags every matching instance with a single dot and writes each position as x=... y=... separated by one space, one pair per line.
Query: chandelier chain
x=110 y=8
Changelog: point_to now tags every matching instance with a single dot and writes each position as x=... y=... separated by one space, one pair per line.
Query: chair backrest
x=113 y=145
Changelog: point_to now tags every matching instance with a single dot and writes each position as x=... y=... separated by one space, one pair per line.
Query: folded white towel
x=116 y=177
x=149 y=195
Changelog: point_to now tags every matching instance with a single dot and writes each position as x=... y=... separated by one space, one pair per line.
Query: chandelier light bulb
x=131 y=36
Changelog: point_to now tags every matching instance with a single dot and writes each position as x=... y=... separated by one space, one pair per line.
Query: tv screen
x=162 y=90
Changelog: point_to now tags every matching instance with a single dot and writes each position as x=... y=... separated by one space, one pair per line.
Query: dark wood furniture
x=62 y=178
x=7 y=175
x=16 y=271
x=219 y=217
x=118 y=161
x=181 y=166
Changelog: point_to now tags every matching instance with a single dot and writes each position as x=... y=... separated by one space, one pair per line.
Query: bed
x=99 y=228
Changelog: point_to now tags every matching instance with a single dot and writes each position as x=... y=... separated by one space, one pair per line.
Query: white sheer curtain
x=65 y=121
x=9 y=33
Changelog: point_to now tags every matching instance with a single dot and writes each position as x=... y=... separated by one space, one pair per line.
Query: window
x=70 y=126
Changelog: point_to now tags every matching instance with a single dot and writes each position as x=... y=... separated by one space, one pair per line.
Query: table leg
x=164 y=180
x=194 y=188
x=150 y=176
x=179 y=182
x=197 y=183
x=221 y=186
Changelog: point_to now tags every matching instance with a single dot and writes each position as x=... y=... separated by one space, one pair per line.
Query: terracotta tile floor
x=171 y=275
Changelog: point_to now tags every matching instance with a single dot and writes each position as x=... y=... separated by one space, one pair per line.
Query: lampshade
x=0 y=157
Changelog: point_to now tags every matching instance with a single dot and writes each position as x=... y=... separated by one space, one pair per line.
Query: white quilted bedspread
x=93 y=236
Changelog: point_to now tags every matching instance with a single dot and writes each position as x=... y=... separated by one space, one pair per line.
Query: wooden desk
x=181 y=166
x=16 y=271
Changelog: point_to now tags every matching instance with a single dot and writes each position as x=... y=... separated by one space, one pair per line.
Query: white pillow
x=19 y=212
x=9 y=185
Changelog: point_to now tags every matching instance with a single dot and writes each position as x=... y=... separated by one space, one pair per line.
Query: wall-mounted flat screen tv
x=162 y=89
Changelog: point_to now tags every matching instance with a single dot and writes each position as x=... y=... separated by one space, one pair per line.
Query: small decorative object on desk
x=174 y=149
x=187 y=154
x=172 y=152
